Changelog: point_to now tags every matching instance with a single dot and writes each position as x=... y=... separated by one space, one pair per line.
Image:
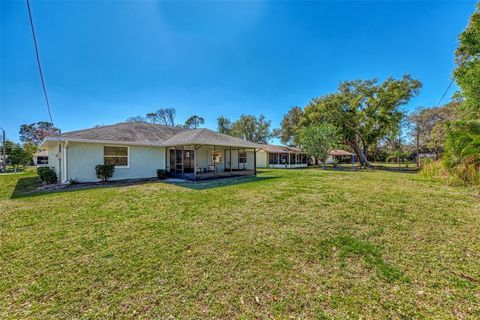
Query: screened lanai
x=271 y=156
x=203 y=154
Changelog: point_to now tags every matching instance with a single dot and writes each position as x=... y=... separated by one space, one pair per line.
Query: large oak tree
x=363 y=111
x=288 y=133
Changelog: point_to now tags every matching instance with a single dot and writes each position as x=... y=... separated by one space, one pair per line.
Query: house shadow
x=25 y=186
x=220 y=183
x=30 y=186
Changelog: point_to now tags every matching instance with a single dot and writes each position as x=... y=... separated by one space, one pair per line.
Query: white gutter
x=65 y=165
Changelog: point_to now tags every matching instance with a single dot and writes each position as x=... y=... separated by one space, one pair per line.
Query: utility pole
x=4 y=158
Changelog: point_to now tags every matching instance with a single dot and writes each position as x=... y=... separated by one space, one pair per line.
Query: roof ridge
x=227 y=135
x=200 y=132
x=180 y=129
x=81 y=130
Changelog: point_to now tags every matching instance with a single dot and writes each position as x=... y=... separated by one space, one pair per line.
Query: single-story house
x=40 y=158
x=340 y=155
x=138 y=149
x=271 y=156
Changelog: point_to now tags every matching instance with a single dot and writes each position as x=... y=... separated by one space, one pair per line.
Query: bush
x=425 y=161
x=104 y=171
x=161 y=174
x=41 y=170
x=463 y=174
x=47 y=175
x=434 y=170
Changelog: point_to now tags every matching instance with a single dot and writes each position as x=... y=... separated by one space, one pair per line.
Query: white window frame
x=245 y=157
x=42 y=160
x=117 y=146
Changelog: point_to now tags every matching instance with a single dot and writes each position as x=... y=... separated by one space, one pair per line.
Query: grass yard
x=287 y=244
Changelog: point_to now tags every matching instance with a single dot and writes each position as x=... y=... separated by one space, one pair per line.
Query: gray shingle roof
x=208 y=137
x=138 y=132
x=153 y=134
x=279 y=149
x=339 y=152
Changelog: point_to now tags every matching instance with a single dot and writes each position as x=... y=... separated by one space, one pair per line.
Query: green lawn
x=287 y=244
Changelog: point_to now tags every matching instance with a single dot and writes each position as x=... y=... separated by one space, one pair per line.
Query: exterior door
x=178 y=161
x=188 y=161
x=172 y=161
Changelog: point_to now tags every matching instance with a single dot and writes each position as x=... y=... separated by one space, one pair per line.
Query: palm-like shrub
x=463 y=142
x=462 y=154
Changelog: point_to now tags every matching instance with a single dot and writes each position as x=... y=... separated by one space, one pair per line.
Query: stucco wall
x=53 y=161
x=83 y=157
x=262 y=157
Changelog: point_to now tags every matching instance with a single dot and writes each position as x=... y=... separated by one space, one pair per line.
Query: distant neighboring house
x=40 y=158
x=138 y=149
x=340 y=155
x=272 y=156
x=427 y=155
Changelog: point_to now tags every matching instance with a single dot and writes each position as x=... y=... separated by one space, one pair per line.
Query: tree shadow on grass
x=373 y=167
x=412 y=169
x=28 y=186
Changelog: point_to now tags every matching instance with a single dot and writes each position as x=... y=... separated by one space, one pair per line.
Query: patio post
x=231 y=161
x=243 y=152
x=255 y=161
x=214 y=163
x=289 y=160
x=174 y=160
x=195 y=162
x=166 y=160
x=183 y=152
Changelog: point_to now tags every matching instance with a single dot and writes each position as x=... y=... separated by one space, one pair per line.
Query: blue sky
x=105 y=61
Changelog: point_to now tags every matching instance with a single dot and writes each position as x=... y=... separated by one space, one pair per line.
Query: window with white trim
x=242 y=157
x=118 y=156
x=42 y=160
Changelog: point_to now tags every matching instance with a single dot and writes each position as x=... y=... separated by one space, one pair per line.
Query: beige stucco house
x=271 y=156
x=138 y=149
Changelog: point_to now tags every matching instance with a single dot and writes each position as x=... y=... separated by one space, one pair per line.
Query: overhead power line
x=446 y=91
x=38 y=62
x=453 y=80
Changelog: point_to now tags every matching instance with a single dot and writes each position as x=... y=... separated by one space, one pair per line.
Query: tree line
x=166 y=117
